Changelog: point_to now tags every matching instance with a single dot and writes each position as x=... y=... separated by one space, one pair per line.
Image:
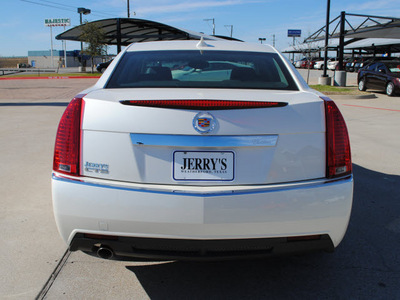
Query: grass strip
x=337 y=90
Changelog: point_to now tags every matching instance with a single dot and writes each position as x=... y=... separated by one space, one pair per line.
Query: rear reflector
x=338 y=156
x=203 y=104
x=68 y=139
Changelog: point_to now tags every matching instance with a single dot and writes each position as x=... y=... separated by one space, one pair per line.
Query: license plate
x=204 y=165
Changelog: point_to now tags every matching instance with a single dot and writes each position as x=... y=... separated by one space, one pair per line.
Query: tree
x=94 y=36
x=307 y=49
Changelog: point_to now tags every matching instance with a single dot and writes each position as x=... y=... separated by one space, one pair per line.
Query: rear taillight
x=68 y=140
x=338 y=156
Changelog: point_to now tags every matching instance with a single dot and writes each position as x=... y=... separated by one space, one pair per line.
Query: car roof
x=383 y=62
x=389 y=62
x=204 y=45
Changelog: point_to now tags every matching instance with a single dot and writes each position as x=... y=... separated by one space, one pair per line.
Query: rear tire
x=361 y=85
x=390 y=89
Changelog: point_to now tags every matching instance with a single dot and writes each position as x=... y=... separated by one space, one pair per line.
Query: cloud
x=382 y=7
x=189 y=6
x=372 y=5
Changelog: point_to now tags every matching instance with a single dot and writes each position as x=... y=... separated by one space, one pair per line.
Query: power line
x=74 y=7
x=47 y=5
x=57 y=3
x=66 y=7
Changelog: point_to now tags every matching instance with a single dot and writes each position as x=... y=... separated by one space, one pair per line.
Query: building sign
x=294 y=33
x=57 y=22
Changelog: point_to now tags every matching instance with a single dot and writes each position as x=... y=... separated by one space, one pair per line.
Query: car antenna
x=202 y=44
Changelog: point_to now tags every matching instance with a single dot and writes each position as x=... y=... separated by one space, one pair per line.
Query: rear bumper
x=184 y=249
x=201 y=216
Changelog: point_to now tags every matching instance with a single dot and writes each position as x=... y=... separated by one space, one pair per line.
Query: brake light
x=338 y=156
x=203 y=104
x=68 y=140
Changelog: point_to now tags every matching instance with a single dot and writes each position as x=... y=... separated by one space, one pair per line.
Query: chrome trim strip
x=230 y=141
x=251 y=190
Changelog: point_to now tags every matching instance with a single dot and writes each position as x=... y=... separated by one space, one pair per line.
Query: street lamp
x=328 y=7
x=84 y=11
x=213 y=20
x=230 y=26
x=262 y=39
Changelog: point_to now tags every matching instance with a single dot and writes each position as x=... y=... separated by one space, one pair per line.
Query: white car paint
x=332 y=64
x=127 y=187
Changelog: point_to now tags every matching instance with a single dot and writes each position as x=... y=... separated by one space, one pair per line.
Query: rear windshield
x=196 y=69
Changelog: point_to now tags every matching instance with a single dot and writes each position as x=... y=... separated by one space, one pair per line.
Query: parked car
x=366 y=60
x=360 y=63
x=306 y=63
x=384 y=75
x=101 y=67
x=319 y=65
x=23 y=66
x=298 y=63
x=333 y=64
x=312 y=62
x=173 y=156
x=350 y=62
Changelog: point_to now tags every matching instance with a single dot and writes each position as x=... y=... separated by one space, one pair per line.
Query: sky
x=22 y=21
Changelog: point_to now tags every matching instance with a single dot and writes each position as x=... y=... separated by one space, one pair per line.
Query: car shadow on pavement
x=34 y=104
x=381 y=92
x=365 y=266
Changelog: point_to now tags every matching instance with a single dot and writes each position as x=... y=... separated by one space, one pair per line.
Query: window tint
x=372 y=67
x=207 y=69
x=381 y=68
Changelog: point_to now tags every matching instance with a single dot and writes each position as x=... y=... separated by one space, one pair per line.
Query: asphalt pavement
x=365 y=266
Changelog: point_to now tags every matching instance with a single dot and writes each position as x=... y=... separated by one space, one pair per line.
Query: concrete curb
x=359 y=97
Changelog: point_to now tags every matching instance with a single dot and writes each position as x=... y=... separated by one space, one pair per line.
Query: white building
x=42 y=59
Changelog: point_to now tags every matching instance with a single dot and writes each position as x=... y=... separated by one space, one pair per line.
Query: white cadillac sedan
x=201 y=150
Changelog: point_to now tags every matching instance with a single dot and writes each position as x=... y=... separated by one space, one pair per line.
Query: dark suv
x=103 y=66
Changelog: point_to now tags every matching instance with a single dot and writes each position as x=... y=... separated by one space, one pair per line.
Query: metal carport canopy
x=124 y=31
x=376 y=43
x=383 y=27
x=390 y=30
x=312 y=46
x=364 y=44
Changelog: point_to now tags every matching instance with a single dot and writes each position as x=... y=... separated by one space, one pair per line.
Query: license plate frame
x=203 y=165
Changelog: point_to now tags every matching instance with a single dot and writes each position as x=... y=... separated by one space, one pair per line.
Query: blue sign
x=294 y=33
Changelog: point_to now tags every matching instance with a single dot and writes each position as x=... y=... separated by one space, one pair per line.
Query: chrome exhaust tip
x=105 y=252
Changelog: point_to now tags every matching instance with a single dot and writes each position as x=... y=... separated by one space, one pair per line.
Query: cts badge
x=204 y=122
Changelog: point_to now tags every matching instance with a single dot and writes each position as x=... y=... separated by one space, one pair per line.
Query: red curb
x=372 y=107
x=50 y=77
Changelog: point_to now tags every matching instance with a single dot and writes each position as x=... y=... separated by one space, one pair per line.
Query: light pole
x=213 y=20
x=328 y=7
x=51 y=36
x=129 y=14
x=84 y=11
x=65 y=51
x=231 y=26
x=262 y=39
